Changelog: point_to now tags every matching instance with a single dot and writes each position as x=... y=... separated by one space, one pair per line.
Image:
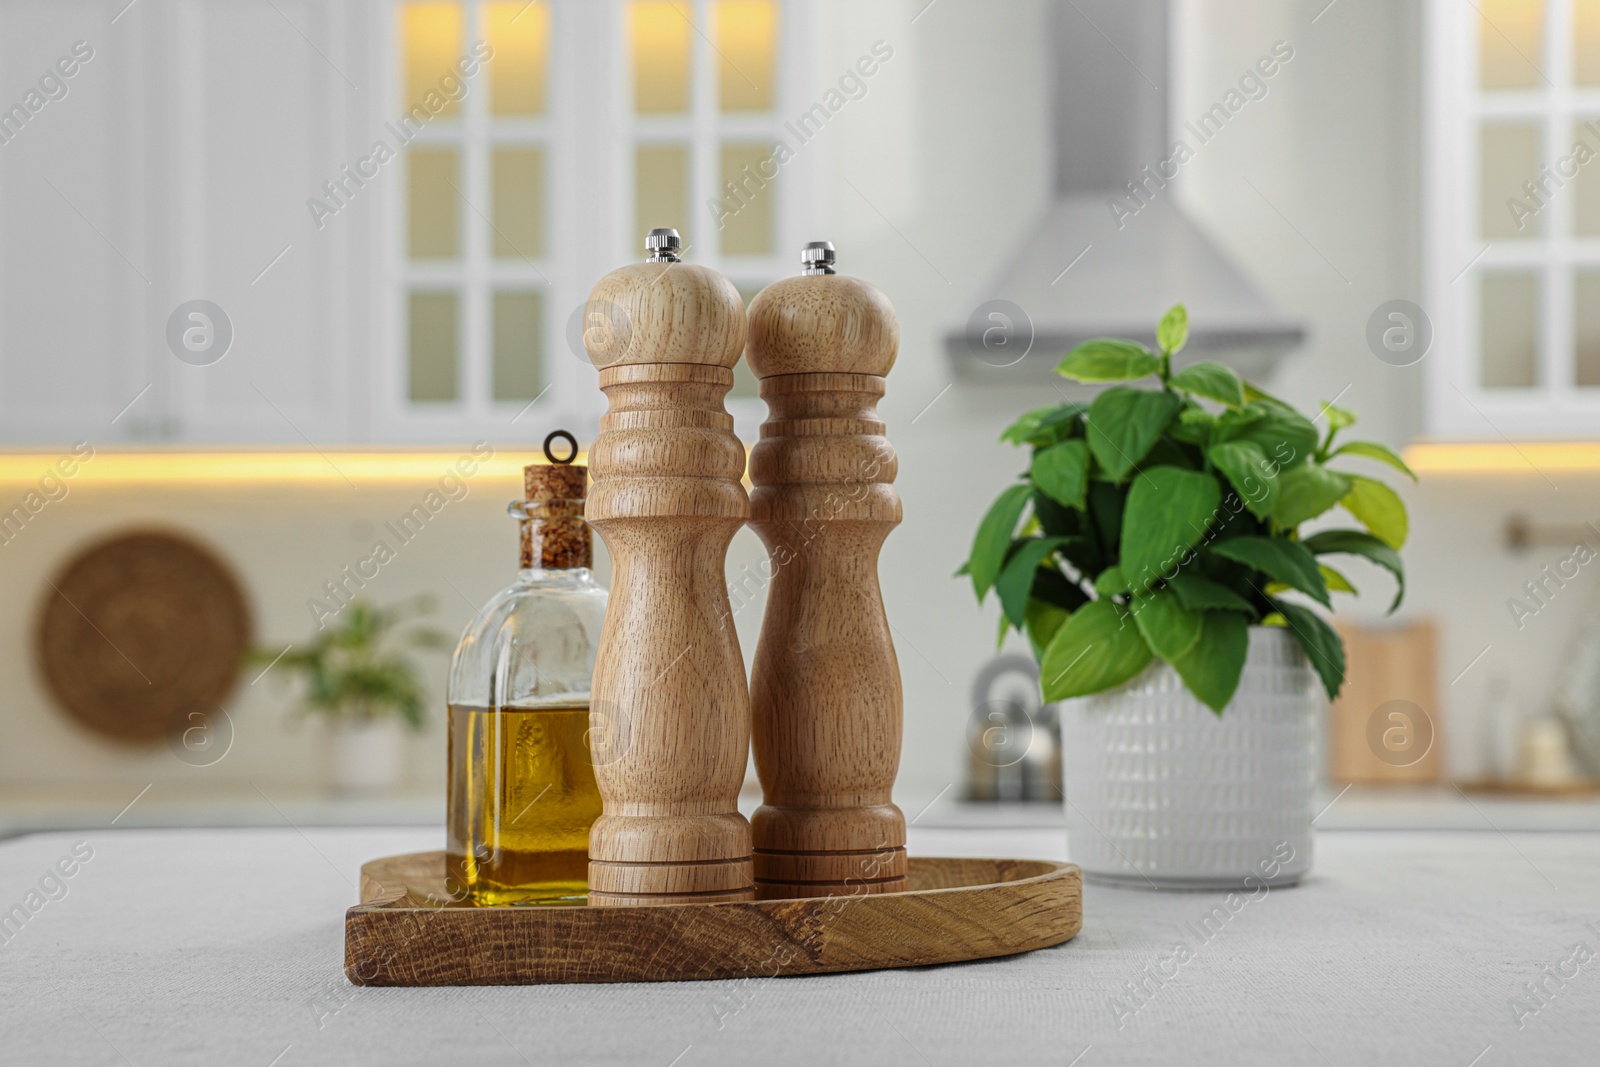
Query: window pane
x=435 y=206
x=1510 y=43
x=661 y=183
x=745 y=218
x=747 y=40
x=1510 y=158
x=1586 y=328
x=660 y=37
x=518 y=176
x=1586 y=42
x=1586 y=187
x=435 y=35
x=519 y=32
x=1510 y=330
x=435 y=345
x=518 y=344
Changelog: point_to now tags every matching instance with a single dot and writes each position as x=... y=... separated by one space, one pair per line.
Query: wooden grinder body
x=670 y=707
x=825 y=685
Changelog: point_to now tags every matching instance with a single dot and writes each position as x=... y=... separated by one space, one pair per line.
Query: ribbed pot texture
x=1162 y=792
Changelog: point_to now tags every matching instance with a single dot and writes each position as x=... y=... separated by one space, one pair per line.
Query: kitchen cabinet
x=379 y=265
x=1511 y=207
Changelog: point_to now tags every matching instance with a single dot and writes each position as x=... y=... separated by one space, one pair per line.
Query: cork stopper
x=554 y=534
x=663 y=311
x=554 y=481
x=821 y=322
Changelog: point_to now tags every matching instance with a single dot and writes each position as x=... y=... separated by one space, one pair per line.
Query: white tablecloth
x=224 y=947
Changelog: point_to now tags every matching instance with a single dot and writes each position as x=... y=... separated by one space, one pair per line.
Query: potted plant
x=1152 y=553
x=366 y=689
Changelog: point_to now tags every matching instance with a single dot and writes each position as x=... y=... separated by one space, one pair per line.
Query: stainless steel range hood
x=1088 y=269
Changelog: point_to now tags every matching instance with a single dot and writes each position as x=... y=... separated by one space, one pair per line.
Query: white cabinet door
x=254 y=100
x=174 y=165
x=76 y=270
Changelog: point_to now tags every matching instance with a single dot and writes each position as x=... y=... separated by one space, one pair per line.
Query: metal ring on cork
x=572 y=441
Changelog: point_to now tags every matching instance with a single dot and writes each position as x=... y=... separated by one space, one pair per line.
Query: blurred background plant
x=360 y=669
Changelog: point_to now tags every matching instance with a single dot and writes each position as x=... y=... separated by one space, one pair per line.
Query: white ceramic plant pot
x=365 y=756
x=1162 y=792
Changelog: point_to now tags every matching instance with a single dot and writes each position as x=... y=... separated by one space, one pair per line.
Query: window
x=1513 y=217
x=700 y=124
x=475 y=90
x=535 y=169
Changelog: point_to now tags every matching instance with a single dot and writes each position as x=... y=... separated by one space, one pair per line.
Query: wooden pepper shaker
x=825 y=687
x=670 y=728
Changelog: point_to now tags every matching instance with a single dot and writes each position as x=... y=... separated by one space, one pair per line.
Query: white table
x=224 y=947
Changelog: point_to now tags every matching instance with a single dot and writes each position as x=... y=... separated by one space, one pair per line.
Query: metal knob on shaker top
x=663 y=244
x=818 y=258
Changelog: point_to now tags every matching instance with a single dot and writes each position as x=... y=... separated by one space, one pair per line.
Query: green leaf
x=1254 y=393
x=1043 y=620
x=1214 y=381
x=1289 y=562
x=1169 y=628
x=1099 y=647
x=1355 y=543
x=1107 y=359
x=1321 y=642
x=1053 y=587
x=1054 y=518
x=1379 y=508
x=1212 y=668
x=1124 y=423
x=1168 y=512
x=994 y=537
x=1194 y=426
x=1106 y=502
x=1062 y=471
x=1336 y=582
x=1306 y=491
x=1202 y=594
x=1167 y=452
x=1111 y=582
x=1043 y=425
x=1287 y=437
x=1247 y=468
x=1373 y=450
x=1173 y=333
x=1338 y=418
x=1016 y=577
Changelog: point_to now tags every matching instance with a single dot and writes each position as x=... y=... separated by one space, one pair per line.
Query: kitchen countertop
x=30 y=807
x=224 y=946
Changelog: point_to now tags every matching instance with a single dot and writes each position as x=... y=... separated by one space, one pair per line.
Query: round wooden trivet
x=140 y=631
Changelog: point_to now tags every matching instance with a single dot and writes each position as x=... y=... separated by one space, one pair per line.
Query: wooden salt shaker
x=825 y=687
x=671 y=711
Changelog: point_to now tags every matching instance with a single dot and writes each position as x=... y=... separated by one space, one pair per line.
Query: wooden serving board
x=407 y=931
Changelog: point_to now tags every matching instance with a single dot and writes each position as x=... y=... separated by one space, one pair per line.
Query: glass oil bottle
x=522 y=792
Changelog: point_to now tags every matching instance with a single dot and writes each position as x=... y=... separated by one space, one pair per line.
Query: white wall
x=283 y=543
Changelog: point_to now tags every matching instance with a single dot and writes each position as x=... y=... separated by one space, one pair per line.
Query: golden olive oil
x=522 y=799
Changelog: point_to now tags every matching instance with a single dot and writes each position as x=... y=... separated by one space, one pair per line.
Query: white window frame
x=1456 y=257
x=589 y=131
